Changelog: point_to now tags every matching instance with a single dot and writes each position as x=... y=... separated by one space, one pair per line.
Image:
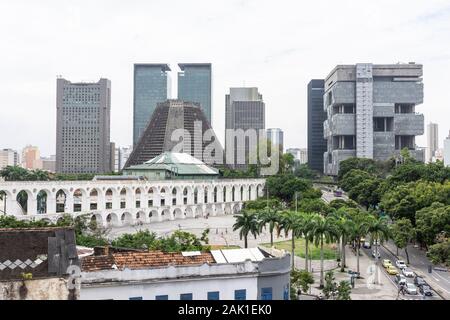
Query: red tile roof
x=142 y=260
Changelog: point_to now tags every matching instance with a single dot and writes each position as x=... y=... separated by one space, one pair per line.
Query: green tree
x=323 y=230
x=403 y=232
x=343 y=291
x=379 y=232
x=431 y=221
x=247 y=223
x=301 y=279
x=269 y=218
x=291 y=221
x=440 y=253
x=330 y=286
x=367 y=165
x=358 y=228
x=284 y=187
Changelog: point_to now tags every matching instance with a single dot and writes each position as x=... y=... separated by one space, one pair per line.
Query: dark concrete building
x=83 y=127
x=175 y=124
x=317 y=145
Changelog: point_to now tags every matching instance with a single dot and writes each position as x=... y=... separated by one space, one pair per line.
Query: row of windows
x=212 y=295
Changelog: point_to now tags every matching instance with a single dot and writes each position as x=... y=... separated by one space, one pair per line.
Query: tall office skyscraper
x=244 y=109
x=276 y=137
x=194 y=85
x=432 y=140
x=371 y=112
x=83 y=127
x=151 y=86
x=317 y=145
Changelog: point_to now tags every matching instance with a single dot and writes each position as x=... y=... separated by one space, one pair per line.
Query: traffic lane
x=385 y=254
x=420 y=262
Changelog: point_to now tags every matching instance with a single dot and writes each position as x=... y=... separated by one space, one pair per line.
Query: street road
x=385 y=254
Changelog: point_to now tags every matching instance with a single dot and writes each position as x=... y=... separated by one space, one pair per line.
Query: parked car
x=400 y=264
x=376 y=254
x=386 y=263
x=392 y=270
x=425 y=290
x=400 y=279
x=419 y=281
x=366 y=245
x=411 y=288
x=408 y=272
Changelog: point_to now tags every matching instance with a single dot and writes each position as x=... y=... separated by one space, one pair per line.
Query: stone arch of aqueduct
x=127 y=202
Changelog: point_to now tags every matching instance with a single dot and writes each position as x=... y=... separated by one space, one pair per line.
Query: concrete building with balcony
x=371 y=112
x=8 y=157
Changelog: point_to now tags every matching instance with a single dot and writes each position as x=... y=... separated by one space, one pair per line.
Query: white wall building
x=8 y=157
x=447 y=150
x=234 y=274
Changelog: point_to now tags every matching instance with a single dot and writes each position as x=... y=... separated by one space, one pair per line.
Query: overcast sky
x=277 y=46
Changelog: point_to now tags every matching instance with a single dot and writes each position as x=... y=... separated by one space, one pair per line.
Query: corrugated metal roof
x=237 y=255
x=179 y=163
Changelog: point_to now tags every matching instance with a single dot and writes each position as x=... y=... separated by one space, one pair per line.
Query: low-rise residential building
x=233 y=274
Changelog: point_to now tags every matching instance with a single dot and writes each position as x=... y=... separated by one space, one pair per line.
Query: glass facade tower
x=151 y=86
x=194 y=85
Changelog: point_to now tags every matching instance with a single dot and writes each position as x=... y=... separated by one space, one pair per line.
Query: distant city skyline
x=281 y=58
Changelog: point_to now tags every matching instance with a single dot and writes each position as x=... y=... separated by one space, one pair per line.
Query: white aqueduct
x=126 y=202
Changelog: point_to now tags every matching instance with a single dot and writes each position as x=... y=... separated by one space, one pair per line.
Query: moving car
x=386 y=263
x=408 y=272
x=425 y=290
x=375 y=254
x=418 y=281
x=410 y=288
x=400 y=264
x=337 y=193
x=366 y=245
x=392 y=270
x=400 y=279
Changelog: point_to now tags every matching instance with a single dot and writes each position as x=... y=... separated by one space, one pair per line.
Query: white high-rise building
x=447 y=150
x=432 y=140
x=8 y=157
x=300 y=154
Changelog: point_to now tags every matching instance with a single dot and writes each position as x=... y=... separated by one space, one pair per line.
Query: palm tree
x=271 y=218
x=308 y=225
x=358 y=228
x=291 y=221
x=379 y=231
x=324 y=230
x=247 y=223
x=343 y=224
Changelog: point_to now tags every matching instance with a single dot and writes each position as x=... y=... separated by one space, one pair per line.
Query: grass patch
x=329 y=250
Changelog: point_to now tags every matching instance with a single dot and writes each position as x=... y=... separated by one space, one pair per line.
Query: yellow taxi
x=392 y=270
x=386 y=263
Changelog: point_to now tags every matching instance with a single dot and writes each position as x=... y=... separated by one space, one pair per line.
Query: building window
x=266 y=293
x=162 y=297
x=240 y=294
x=213 y=295
x=138 y=204
x=186 y=296
x=383 y=124
x=135 y=298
